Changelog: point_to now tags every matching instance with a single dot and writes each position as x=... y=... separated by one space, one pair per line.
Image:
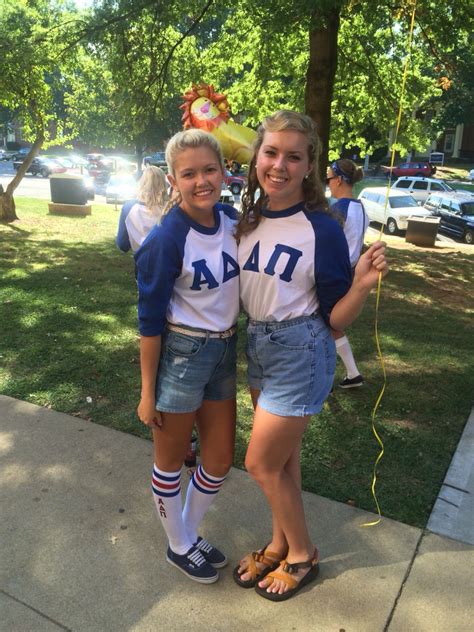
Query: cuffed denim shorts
x=292 y=363
x=194 y=368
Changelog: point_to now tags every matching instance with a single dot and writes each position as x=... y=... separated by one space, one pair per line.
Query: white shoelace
x=204 y=545
x=197 y=558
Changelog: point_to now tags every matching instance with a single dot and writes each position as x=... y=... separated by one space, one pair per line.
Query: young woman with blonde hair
x=139 y=216
x=188 y=283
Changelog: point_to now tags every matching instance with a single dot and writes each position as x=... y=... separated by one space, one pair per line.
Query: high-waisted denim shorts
x=292 y=363
x=194 y=368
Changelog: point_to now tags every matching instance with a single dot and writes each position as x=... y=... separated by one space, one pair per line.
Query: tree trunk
x=320 y=75
x=7 y=206
x=7 y=203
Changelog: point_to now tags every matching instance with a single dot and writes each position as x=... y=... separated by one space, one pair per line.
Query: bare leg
x=171 y=441
x=216 y=425
x=273 y=450
x=278 y=543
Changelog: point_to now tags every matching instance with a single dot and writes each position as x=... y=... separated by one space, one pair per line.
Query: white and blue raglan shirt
x=356 y=223
x=188 y=273
x=295 y=263
x=135 y=223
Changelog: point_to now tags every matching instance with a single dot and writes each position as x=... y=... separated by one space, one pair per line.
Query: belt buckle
x=226 y=334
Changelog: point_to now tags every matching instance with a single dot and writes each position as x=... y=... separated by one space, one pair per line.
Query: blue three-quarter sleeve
x=159 y=263
x=332 y=265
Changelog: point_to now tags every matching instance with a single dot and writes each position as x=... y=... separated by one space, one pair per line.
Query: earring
x=306 y=176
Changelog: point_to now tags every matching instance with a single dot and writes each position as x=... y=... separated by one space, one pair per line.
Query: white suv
x=420 y=187
x=400 y=207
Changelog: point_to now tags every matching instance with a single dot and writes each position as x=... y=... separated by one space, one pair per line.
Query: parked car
x=456 y=213
x=120 y=188
x=20 y=154
x=5 y=154
x=157 y=159
x=94 y=158
x=41 y=165
x=234 y=182
x=471 y=175
x=226 y=195
x=421 y=187
x=411 y=169
x=400 y=207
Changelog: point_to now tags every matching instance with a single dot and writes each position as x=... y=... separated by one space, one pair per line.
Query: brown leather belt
x=202 y=333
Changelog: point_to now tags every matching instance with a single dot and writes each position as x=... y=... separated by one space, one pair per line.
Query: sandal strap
x=283 y=575
x=266 y=557
x=284 y=571
x=251 y=566
x=296 y=566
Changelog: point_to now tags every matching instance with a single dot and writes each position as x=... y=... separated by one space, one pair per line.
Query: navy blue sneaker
x=194 y=565
x=212 y=555
x=354 y=382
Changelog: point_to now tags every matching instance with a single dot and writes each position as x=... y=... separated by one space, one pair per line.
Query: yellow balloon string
x=379 y=284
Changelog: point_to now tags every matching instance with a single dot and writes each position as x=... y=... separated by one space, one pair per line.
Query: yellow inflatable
x=208 y=110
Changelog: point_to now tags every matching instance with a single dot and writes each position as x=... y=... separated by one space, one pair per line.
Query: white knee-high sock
x=166 y=487
x=202 y=490
x=344 y=351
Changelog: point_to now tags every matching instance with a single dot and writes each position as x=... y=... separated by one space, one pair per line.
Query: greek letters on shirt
x=188 y=274
x=293 y=255
x=294 y=263
x=202 y=274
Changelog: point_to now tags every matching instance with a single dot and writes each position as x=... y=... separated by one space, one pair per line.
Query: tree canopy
x=112 y=75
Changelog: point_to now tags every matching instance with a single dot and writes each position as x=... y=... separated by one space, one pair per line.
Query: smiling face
x=282 y=163
x=197 y=175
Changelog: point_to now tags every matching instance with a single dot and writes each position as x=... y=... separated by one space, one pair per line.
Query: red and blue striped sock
x=166 y=487
x=202 y=490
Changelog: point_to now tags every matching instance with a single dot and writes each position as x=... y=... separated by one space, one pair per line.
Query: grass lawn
x=69 y=342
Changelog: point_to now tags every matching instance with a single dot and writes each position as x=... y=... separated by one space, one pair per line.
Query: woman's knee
x=218 y=466
x=261 y=472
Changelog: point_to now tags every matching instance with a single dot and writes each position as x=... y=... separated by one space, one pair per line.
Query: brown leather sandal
x=269 y=559
x=285 y=572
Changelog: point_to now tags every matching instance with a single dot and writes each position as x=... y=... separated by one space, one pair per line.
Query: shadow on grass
x=424 y=332
x=69 y=329
x=69 y=341
x=15 y=228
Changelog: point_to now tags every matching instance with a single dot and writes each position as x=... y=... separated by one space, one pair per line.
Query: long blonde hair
x=313 y=190
x=189 y=139
x=152 y=190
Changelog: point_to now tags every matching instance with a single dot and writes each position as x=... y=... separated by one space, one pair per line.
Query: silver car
x=420 y=188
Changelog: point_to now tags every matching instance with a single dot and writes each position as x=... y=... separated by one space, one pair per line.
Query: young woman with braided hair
x=296 y=283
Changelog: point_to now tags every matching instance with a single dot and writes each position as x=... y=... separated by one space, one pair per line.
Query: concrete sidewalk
x=82 y=550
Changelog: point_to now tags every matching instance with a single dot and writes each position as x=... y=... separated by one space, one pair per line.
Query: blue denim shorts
x=194 y=368
x=292 y=363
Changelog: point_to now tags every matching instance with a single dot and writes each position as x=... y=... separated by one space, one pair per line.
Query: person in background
x=139 y=216
x=341 y=177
